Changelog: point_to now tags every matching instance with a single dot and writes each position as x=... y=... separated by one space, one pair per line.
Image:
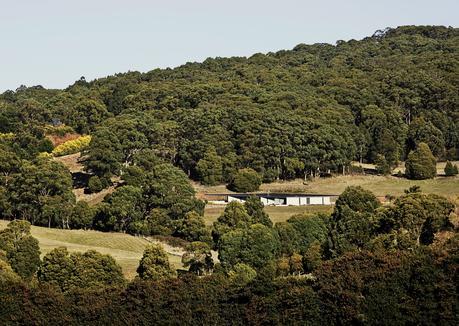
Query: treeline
x=363 y=264
x=360 y=288
x=287 y=114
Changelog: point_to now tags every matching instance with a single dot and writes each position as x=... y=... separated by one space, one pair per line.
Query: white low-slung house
x=276 y=199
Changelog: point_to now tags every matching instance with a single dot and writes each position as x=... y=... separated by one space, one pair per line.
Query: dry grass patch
x=276 y=213
x=126 y=249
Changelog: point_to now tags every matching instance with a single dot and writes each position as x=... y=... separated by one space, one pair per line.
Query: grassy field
x=276 y=213
x=126 y=249
x=379 y=185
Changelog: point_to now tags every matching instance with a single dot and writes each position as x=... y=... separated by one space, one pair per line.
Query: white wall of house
x=289 y=200
x=231 y=199
x=305 y=200
x=294 y=201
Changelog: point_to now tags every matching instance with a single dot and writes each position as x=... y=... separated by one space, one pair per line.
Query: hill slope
x=126 y=249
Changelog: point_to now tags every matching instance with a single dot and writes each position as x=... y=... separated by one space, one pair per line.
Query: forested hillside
x=303 y=113
x=285 y=114
x=288 y=114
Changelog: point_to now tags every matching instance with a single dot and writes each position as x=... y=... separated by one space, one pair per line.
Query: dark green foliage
x=309 y=229
x=254 y=246
x=361 y=287
x=421 y=131
x=193 y=228
x=82 y=216
x=421 y=164
x=210 y=168
x=103 y=155
x=198 y=258
x=22 y=251
x=382 y=166
x=152 y=202
x=123 y=207
x=79 y=270
x=420 y=215
x=154 y=264
x=290 y=239
x=286 y=114
x=450 y=169
x=254 y=207
x=245 y=180
x=41 y=192
x=353 y=221
x=234 y=217
x=95 y=184
x=87 y=114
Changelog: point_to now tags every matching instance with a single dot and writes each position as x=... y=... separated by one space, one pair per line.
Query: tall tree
x=154 y=264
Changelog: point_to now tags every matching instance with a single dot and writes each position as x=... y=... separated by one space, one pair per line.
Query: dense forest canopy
x=242 y=121
x=285 y=114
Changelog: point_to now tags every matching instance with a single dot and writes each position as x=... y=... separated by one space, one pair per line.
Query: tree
x=289 y=238
x=168 y=187
x=193 y=228
x=420 y=215
x=210 y=168
x=154 y=264
x=95 y=184
x=235 y=216
x=255 y=246
x=72 y=271
x=308 y=229
x=312 y=257
x=421 y=164
x=353 y=221
x=241 y=275
x=245 y=180
x=9 y=164
x=422 y=131
x=7 y=275
x=42 y=193
x=198 y=258
x=104 y=154
x=450 y=169
x=22 y=250
x=382 y=167
x=254 y=208
x=87 y=114
x=124 y=206
x=82 y=216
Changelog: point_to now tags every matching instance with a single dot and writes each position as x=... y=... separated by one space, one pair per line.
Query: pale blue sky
x=54 y=42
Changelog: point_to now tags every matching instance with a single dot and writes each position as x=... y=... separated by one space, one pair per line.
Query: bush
x=421 y=164
x=95 y=184
x=382 y=166
x=245 y=180
x=450 y=169
x=72 y=146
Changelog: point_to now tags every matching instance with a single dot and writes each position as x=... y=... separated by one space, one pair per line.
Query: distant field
x=276 y=213
x=379 y=185
x=126 y=249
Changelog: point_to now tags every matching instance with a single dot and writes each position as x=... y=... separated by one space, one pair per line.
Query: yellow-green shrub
x=7 y=136
x=72 y=146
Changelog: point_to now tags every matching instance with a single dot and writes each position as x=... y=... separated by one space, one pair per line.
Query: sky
x=54 y=42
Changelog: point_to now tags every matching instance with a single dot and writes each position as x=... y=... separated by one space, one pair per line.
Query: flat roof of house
x=272 y=194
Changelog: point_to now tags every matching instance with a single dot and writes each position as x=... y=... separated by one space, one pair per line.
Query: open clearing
x=126 y=249
x=379 y=185
x=276 y=213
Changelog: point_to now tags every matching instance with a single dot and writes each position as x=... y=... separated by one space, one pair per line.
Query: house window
x=308 y=201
